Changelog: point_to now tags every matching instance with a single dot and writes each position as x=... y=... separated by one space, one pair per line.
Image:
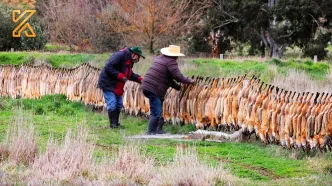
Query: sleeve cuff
x=139 y=79
x=120 y=76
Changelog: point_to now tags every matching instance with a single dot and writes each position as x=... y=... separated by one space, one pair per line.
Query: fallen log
x=220 y=136
x=158 y=136
x=198 y=134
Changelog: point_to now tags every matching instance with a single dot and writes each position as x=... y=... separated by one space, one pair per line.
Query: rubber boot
x=160 y=126
x=152 y=126
x=112 y=115
x=118 y=111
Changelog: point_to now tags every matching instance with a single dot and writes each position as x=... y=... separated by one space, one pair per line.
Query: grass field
x=246 y=163
x=250 y=162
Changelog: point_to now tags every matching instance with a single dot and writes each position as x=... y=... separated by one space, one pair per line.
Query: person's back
x=158 y=78
x=163 y=73
x=113 y=77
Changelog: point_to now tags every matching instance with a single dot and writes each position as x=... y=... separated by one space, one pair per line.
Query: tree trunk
x=151 y=46
x=271 y=45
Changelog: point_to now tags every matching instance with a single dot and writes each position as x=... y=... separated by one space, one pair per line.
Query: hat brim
x=167 y=53
x=140 y=55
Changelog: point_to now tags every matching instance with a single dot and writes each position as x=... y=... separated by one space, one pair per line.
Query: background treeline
x=261 y=27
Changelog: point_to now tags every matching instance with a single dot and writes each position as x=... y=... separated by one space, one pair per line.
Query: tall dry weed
x=63 y=163
x=20 y=144
x=129 y=166
x=188 y=170
x=300 y=81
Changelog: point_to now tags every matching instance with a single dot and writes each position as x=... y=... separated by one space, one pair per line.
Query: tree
x=155 y=23
x=273 y=24
x=77 y=23
x=22 y=43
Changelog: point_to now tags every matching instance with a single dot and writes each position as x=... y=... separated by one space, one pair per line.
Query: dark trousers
x=156 y=104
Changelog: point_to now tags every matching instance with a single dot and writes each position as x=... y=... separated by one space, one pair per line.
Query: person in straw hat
x=163 y=73
x=113 y=77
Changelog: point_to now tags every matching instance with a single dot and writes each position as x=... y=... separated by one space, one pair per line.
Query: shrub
x=23 y=43
x=39 y=109
x=276 y=61
x=66 y=110
x=315 y=49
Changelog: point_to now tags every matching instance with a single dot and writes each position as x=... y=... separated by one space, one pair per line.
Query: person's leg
x=155 y=111
x=111 y=102
x=119 y=105
x=161 y=121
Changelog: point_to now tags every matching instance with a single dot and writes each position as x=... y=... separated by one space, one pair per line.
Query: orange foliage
x=155 y=22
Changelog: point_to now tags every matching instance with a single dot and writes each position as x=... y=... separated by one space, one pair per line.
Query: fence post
x=315 y=58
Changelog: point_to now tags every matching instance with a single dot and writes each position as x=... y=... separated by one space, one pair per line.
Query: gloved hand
x=177 y=87
x=124 y=79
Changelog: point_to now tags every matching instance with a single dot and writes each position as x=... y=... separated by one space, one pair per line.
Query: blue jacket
x=118 y=66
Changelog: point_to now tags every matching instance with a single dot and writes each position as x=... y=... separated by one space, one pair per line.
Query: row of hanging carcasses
x=27 y=81
x=300 y=120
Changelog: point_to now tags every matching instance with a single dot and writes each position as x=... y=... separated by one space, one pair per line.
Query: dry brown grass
x=63 y=163
x=20 y=144
x=188 y=170
x=129 y=166
x=300 y=81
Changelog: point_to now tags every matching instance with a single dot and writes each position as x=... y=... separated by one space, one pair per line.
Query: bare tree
x=155 y=23
x=73 y=22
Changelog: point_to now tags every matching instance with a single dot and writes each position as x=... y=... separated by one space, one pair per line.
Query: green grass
x=52 y=47
x=252 y=160
x=226 y=68
x=56 y=60
x=317 y=71
x=15 y=58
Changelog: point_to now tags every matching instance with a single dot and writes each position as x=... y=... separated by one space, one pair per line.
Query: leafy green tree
x=275 y=24
x=22 y=43
x=6 y=28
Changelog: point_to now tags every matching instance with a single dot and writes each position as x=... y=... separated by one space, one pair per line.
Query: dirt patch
x=107 y=147
x=265 y=172
x=158 y=136
x=261 y=170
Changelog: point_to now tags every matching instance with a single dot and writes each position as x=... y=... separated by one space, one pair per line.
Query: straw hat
x=171 y=50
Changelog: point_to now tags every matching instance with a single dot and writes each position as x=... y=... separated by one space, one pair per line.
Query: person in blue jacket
x=113 y=77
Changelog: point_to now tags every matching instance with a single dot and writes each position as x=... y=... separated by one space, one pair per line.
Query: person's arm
x=176 y=86
x=176 y=73
x=135 y=77
x=114 y=60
